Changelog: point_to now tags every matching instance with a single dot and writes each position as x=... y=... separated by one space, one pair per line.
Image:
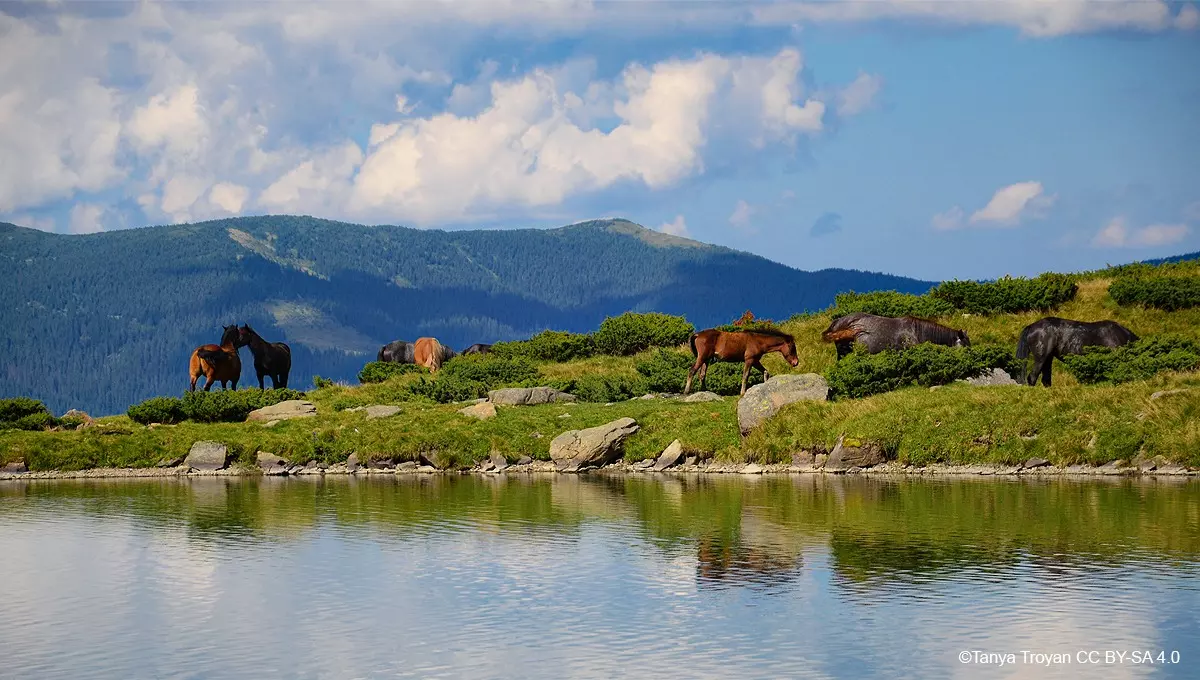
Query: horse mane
x=765 y=331
x=940 y=331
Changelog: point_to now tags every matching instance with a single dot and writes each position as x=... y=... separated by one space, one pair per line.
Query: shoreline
x=546 y=467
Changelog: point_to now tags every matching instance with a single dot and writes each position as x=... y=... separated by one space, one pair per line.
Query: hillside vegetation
x=1112 y=417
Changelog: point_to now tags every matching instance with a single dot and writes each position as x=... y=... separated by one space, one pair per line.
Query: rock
x=486 y=465
x=406 y=466
x=598 y=445
x=803 y=459
x=207 y=456
x=284 y=410
x=524 y=460
x=170 y=461
x=528 y=396
x=482 y=410
x=498 y=461
x=819 y=460
x=646 y=396
x=643 y=464
x=352 y=463
x=82 y=417
x=1157 y=395
x=702 y=396
x=437 y=460
x=861 y=455
x=381 y=463
x=691 y=460
x=271 y=464
x=271 y=423
x=764 y=400
x=996 y=376
x=381 y=411
x=15 y=467
x=670 y=456
x=752 y=469
x=1035 y=463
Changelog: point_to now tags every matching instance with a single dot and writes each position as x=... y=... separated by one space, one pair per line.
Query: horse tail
x=692 y=343
x=379 y=357
x=210 y=354
x=1023 y=344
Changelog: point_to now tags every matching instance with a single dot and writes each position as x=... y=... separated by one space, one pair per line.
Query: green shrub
x=321 y=383
x=666 y=371
x=167 y=410
x=379 y=371
x=472 y=376
x=447 y=389
x=1136 y=361
x=890 y=303
x=548 y=346
x=860 y=374
x=631 y=333
x=1008 y=295
x=17 y=409
x=1161 y=292
x=607 y=388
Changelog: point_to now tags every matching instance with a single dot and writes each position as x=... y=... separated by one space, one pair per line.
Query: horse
x=1053 y=337
x=881 y=333
x=745 y=346
x=270 y=358
x=478 y=348
x=218 y=362
x=397 y=352
x=431 y=354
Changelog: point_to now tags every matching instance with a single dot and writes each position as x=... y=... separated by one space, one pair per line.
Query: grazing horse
x=270 y=358
x=745 y=346
x=218 y=362
x=880 y=333
x=397 y=352
x=431 y=354
x=1052 y=337
x=478 y=348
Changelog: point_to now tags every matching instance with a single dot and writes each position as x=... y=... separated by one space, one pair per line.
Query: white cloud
x=859 y=95
x=33 y=222
x=1014 y=203
x=1117 y=234
x=742 y=214
x=1188 y=18
x=172 y=119
x=951 y=219
x=678 y=227
x=86 y=218
x=228 y=197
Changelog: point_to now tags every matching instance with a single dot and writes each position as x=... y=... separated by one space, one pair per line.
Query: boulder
x=171 y=461
x=284 y=410
x=593 y=446
x=860 y=455
x=207 y=456
x=702 y=396
x=764 y=400
x=1035 y=463
x=524 y=460
x=384 y=463
x=437 y=460
x=352 y=463
x=15 y=467
x=995 y=376
x=272 y=464
x=381 y=411
x=482 y=411
x=528 y=396
x=670 y=456
x=752 y=469
x=407 y=466
x=643 y=464
x=498 y=460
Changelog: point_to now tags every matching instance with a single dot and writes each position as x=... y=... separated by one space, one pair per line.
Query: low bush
x=631 y=333
x=890 y=303
x=379 y=371
x=226 y=406
x=608 y=388
x=1008 y=295
x=1160 y=292
x=167 y=410
x=23 y=413
x=861 y=374
x=548 y=346
x=473 y=375
x=1136 y=361
x=747 y=322
x=666 y=371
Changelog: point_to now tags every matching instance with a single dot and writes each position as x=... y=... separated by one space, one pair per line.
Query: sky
x=934 y=139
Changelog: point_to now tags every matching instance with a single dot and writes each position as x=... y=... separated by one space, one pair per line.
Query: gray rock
x=482 y=410
x=593 y=446
x=691 y=460
x=763 y=401
x=15 y=467
x=643 y=464
x=498 y=461
x=486 y=465
x=407 y=465
x=381 y=411
x=352 y=463
x=670 y=456
x=381 y=463
x=860 y=455
x=819 y=460
x=752 y=469
x=284 y=410
x=646 y=396
x=437 y=460
x=271 y=464
x=1035 y=463
x=528 y=396
x=170 y=461
x=207 y=456
x=524 y=460
x=703 y=396
x=996 y=376
x=1163 y=393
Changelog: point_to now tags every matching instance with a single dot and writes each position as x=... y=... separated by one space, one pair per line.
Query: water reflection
x=635 y=574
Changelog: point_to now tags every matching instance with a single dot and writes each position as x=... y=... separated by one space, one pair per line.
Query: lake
x=557 y=576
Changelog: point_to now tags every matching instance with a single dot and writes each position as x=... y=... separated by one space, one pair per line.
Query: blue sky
x=932 y=139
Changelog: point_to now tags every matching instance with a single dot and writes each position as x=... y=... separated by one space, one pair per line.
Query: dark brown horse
x=218 y=362
x=881 y=333
x=1044 y=340
x=270 y=358
x=745 y=346
x=478 y=348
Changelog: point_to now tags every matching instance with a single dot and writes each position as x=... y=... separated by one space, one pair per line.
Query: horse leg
x=759 y=366
x=262 y=383
x=1046 y=368
x=745 y=376
x=692 y=372
x=704 y=377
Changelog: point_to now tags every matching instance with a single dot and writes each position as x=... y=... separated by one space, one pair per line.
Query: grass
x=1068 y=424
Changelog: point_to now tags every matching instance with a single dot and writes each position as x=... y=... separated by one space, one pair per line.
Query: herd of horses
x=1039 y=344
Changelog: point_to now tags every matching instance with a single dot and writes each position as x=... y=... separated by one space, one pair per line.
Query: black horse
x=270 y=358
x=398 y=352
x=1052 y=337
x=880 y=333
x=478 y=348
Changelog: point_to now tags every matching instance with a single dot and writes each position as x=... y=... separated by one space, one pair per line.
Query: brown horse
x=218 y=362
x=745 y=346
x=431 y=354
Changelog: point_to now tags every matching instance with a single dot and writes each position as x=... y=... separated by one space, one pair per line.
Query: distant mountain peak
x=620 y=225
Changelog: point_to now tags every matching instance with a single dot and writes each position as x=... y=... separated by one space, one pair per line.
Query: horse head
x=245 y=335
x=789 y=351
x=961 y=339
x=230 y=335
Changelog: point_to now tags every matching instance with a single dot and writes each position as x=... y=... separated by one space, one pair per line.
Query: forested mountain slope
x=100 y=321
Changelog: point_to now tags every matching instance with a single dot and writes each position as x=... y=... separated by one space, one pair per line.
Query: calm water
x=554 y=577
